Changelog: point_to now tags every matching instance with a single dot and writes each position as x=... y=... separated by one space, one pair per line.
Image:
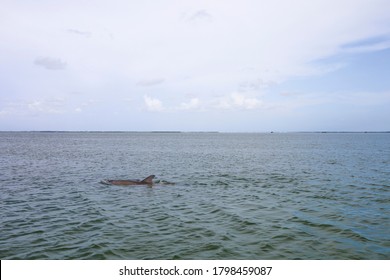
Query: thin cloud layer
x=150 y=82
x=179 y=57
x=50 y=63
x=85 y=34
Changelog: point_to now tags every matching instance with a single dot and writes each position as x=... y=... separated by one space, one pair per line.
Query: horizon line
x=200 y=131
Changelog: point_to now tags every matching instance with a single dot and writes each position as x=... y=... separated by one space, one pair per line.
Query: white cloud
x=48 y=106
x=9 y=109
x=193 y=104
x=234 y=101
x=42 y=106
x=239 y=101
x=153 y=104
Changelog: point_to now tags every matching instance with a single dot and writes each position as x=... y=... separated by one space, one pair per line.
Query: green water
x=236 y=196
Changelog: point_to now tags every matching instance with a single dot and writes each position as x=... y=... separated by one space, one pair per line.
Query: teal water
x=236 y=196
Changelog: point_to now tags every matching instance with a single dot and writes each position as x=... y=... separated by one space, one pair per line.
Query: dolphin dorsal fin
x=148 y=180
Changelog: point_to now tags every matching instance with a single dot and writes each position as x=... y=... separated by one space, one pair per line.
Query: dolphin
x=147 y=181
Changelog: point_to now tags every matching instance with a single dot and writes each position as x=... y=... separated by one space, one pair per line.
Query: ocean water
x=235 y=196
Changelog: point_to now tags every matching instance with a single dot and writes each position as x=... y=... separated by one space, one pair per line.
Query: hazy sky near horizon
x=195 y=65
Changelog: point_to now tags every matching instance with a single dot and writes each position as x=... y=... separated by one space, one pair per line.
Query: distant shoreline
x=178 y=132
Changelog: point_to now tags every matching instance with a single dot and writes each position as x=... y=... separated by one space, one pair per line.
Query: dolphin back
x=148 y=180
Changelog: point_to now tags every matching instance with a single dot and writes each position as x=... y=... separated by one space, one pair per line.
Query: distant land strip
x=173 y=131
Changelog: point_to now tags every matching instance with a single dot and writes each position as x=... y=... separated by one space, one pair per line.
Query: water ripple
x=236 y=196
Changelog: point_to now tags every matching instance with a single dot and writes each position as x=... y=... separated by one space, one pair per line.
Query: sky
x=195 y=65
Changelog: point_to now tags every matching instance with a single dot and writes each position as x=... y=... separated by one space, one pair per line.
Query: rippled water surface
x=236 y=196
